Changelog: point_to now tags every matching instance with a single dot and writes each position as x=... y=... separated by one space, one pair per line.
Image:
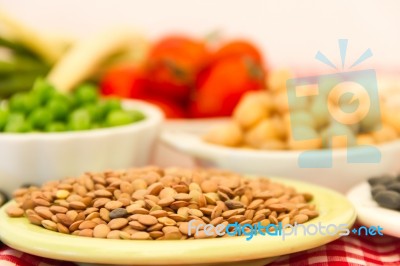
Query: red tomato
x=132 y=82
x=170 y=109
x=173 y=65
x=238 y=48
x=124 y=81
x=221 y=86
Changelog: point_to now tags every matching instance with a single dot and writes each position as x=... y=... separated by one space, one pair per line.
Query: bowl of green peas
x=46 y=134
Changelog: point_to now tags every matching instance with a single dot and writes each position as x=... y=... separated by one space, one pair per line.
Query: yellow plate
x=333 y=207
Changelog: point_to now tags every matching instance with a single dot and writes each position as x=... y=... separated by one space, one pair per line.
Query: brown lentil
x=14 y=211
x=140 y=236
x=137 y=226
x=300 y=218
x=147 y=220
x=58 y=209
x=117 y=223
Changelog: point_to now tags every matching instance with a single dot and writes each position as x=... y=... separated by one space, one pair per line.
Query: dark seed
x=382 y=180
x=233 y=204
x=388 y=199
x=118 y=213
x=377 y=188
x=394 y=187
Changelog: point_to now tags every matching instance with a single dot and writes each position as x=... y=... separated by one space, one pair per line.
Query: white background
x=289 y=32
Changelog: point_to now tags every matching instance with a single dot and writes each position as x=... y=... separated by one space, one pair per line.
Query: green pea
x=45 y=109
x=67 y=98
x=43 y=90
x=319 y=110
x=17 y=124
x=110 y=105
x=118 y=118
x=16 y=117
x=3 y=118
x=136 y=115
x=337 y=129
x=17 y=102
x=96 y=126
x=40 y=117
x=17 y=127
x=302 y=118
x=95 y=112
x=56 y=127
x=79 y=120
x=86 y=94
x=304 y=132
x=23 y=102
x=59 y=108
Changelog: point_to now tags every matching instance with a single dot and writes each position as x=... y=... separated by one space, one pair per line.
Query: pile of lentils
x=154 y=203
x=385 y=190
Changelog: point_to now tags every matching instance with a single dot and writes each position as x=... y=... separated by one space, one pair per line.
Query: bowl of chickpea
x=266 y=136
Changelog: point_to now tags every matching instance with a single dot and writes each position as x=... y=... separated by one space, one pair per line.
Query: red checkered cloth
x=12 y=257
x=347 y=251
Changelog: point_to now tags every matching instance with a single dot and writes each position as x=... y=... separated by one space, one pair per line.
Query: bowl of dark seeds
x=385 y=190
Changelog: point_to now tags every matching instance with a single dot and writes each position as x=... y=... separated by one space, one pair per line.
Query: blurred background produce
x=189 y=79
x=264 y=120
x=186 y=76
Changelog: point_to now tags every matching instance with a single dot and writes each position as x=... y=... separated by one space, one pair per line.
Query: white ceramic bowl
x=341 y=176
x=38 y=157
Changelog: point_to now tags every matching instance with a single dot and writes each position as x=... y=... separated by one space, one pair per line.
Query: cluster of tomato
x=185 y=78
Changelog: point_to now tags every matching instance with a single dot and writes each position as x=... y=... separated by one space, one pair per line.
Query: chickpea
x=352 y=88
x=280 y=102
x=339 y=142
x=273 y=144
x=247 y=147
x=384 y=134
x=338 y=136
x=229 y=134
x=393 y=101
x=392 y=117
x=277 y=80
x=262 y=132
x=307 y=138
x=365 y=139
x=302 y=117
x=340 y=116
x=253 y=108
x=279 y=126
x=264 y=96
x=369 y=122
x=287 y=124
x=320 y=111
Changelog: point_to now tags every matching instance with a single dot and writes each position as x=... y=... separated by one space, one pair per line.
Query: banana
x=86 y=56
